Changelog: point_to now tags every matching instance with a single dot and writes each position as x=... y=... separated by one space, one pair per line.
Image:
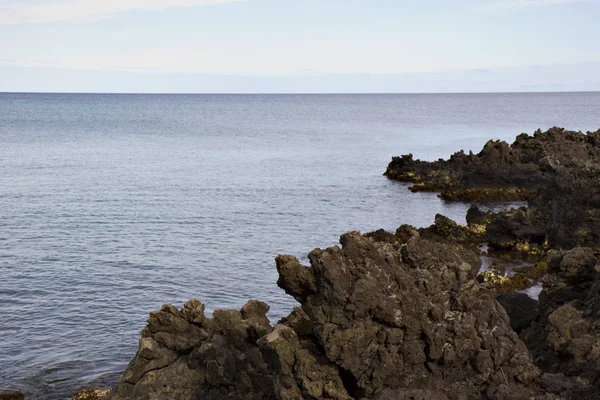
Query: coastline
x=511 y=235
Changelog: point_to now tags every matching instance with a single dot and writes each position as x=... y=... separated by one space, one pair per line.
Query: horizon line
x=299 y=93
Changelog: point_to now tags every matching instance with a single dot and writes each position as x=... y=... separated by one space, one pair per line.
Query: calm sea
x=111 y=205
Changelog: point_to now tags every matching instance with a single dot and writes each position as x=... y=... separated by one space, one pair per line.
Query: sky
x=235 y=46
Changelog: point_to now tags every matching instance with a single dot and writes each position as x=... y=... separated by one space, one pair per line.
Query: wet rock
x=508 y=229
x=489 y=195
x=504 y=283
x=477 y=217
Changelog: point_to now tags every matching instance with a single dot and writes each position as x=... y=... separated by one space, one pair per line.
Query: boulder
x=185 y=355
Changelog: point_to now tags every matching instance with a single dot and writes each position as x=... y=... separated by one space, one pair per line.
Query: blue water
x=111 y=205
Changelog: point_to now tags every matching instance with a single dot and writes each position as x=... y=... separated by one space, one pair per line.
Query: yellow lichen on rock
x=92 y=394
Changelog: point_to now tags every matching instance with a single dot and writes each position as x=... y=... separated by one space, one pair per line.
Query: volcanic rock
x=377 y=319
x=185 y=355
x=557 y=172
x=566 y=338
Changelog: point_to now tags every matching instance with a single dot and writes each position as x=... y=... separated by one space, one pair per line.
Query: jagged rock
x=566 y=339
x=381 y=235
x=405 y=232
x=477 y=217
x=557 y=171
x=378 y=319
x=404 y=319
x=184 y=355
x=571 y=388
x=507 y=229
x=301 y=370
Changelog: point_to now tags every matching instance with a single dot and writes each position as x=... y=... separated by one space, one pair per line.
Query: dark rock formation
x=406 y=319
x=557 y=171
x=507 y=229
x=184 y=355
x=378 y=319
x=566 y=338
x=401 y=315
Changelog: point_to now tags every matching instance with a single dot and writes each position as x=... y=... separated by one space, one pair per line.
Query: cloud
x=500 y=5
x=86 y=10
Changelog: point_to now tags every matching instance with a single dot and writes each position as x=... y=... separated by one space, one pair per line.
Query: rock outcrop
x=377 y=320
x=405 y=315
x=557 y=171
x=406 y=318
x=185 y=355
x=566 y=338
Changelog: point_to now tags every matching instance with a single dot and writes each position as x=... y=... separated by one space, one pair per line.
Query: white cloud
x=499 y=5
x=86 y=10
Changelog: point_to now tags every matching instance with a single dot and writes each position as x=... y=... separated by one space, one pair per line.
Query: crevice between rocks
x=351 y=385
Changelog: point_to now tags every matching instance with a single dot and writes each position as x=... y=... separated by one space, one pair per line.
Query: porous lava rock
x=185 y=355
x=377 y=320
x=406 y=319
x=566 y=338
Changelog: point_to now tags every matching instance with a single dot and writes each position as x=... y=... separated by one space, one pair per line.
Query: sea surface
x=111 y=205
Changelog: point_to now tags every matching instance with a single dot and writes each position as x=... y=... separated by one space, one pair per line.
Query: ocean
x=111 y=205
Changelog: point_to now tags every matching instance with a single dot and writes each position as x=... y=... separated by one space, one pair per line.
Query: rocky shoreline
x=409 y=314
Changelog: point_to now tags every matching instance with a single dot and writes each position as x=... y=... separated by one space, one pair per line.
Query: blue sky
x=299 y=45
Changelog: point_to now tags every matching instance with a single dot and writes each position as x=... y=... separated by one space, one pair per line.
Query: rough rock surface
x=381 y=320
x=400 y=315
x=185 y=355
x=406 y=319
x=557 y=171
x=566 y=338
